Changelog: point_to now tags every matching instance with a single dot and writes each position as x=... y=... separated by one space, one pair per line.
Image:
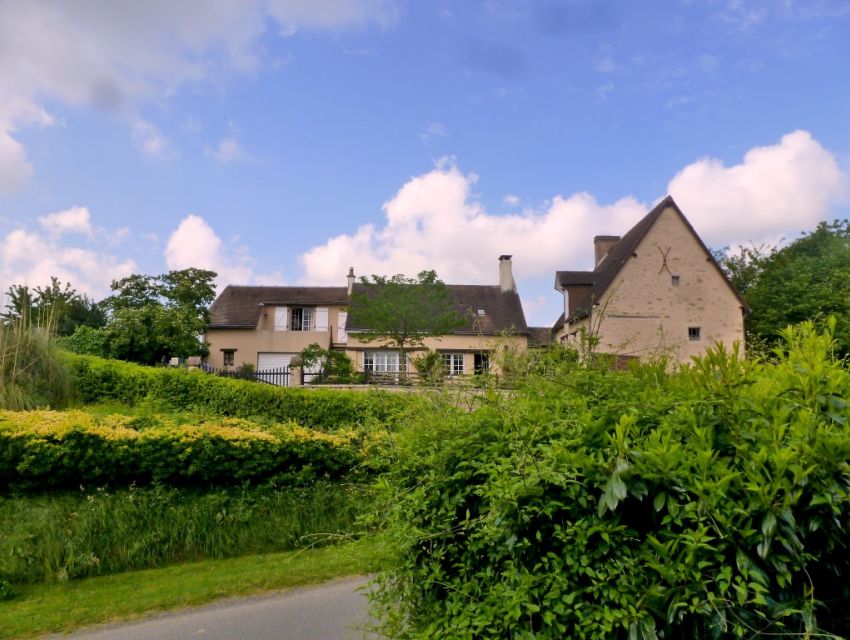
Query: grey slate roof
x=539 y=336
x=239 y=307
x=601 y=277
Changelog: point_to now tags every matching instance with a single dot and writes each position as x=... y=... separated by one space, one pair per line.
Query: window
x=674 y=280
x=453 y=363
x=302 y=319
x=693 y=333
x=382 y=361
x=229 y=356
x=481 y=363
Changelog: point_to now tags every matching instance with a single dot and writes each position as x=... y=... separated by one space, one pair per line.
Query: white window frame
x=228 y=354
x=382 y=362
x=307 y=319
x=453 y=363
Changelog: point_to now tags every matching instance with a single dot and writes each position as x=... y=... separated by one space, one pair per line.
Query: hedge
x=709 y=503
x=97 y=379
x=42 y=450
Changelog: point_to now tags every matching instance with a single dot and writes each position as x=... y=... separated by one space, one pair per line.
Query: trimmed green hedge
x=709 y=503
x=42 y=450
x=97 y=380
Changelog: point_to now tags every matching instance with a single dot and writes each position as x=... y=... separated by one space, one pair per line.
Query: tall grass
x=59 y=537
x=32 y=373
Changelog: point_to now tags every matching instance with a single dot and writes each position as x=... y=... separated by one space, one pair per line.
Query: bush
x=98 y=380
x=32 y=373
x=710 y=503
x=54 y=537
x=47 y=450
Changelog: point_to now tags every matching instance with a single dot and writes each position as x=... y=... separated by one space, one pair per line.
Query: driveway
x=331 y=611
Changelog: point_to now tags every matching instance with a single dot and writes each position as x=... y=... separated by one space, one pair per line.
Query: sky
x=284 y=141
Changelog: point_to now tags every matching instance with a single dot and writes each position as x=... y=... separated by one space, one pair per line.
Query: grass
x=55 y=608
x=57 y=537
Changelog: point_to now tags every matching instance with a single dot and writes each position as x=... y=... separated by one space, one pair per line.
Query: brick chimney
x=602 y=245
x=506 y=275
x=350 y=280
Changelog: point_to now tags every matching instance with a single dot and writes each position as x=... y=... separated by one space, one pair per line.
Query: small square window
x=693 y=333
x=674 y=280
x=229 y=357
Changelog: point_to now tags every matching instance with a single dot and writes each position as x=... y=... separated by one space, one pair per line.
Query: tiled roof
x=240 y=306
x=539 y=336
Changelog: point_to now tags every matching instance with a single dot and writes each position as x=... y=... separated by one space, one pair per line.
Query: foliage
x=42 y=450
x=97 y=380
x=153 y=318
x=403 y=311
x=744 y=265
x=32 y=373
x=430 y=367
x=807 y=280
x=59 y=307
x=336 y=366
x=87 y=341
x=64 y=536
x=708 y=503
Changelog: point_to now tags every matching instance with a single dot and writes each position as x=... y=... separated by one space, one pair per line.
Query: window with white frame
x=453 y=363
x=302 y=319
x=228 y=357
x=382 y=361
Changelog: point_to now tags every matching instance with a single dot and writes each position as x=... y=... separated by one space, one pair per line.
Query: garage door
x=274 y=364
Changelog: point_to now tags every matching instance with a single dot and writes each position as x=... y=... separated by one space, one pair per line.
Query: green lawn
x=66 y=606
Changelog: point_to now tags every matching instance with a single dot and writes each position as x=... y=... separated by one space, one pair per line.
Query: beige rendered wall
x=249 y=342
x=643 y=314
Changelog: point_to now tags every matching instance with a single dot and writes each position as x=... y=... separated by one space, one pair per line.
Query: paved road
x=332 y=611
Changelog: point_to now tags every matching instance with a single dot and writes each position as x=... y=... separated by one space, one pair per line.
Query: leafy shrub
x=710 y=503
x=336 y=366
x=98 y=380
x=88 y=341
x=54 y=537
x=430 y=367
x=46 y=450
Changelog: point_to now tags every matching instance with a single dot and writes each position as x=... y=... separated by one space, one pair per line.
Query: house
x=655 y=291
x=267 y=326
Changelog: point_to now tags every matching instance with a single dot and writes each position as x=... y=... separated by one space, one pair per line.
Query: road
x=332 y=611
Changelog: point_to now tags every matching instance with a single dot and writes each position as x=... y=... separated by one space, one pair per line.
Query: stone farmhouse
x=657 y=290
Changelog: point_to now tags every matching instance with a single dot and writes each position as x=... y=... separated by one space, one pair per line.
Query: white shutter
x=267 y=361
x=321 y=318
x=281 y=318
x=341 y=335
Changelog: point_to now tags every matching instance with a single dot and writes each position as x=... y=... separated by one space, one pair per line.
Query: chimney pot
x=350 y=280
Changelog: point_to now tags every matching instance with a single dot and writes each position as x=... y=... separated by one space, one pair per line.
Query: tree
x=403 y=311
x=156 y=317
x=57 y=307
x=743 y=267
x=807 y=280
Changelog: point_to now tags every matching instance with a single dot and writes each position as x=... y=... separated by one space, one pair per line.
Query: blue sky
x=282 y=141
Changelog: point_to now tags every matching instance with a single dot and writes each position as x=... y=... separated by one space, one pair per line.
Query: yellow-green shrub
x=49 y=449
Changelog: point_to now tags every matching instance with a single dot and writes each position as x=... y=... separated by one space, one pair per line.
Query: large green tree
x=809 y=279
x=154 y=317
x=400 y=312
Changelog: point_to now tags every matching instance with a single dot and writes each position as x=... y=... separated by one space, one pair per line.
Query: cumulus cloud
x=31 y=257
x=435 y=221
x=119 y=56
x=196 y=244
x=777 y=190
x=228 y=150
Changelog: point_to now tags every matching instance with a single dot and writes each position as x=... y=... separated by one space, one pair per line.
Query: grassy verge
x=66 y=606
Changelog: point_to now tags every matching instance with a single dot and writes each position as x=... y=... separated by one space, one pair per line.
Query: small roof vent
x=481 y=312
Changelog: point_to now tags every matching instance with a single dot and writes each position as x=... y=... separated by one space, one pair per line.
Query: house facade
x=268 y=326
x=656 y=291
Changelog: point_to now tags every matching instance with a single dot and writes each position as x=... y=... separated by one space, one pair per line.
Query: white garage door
x=274 y=362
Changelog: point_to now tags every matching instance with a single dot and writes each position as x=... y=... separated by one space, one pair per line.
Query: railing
x=279 y=377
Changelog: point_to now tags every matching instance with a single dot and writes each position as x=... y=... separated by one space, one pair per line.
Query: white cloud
x=435 y=222
x=228 y=150
x=511 y=200
x=73 y=220
x=776 y=191
x=120 y=56
x=433 y=131
x=31 y=258
x=195 y=244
